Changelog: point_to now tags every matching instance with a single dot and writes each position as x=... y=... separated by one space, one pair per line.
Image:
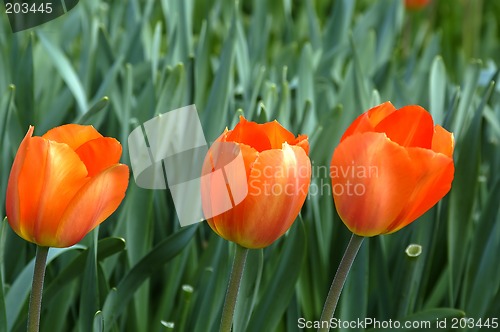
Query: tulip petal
x=416 y=4
x=303 y=142
x=249 y=133
x=410 y=126
x=73 y=135
x=369 y=120
x=277 y=134
x=95 y=202
x=52 y=173
x=12 y=198
x=277 y=188
x=225 y=175
x=99 y=154
x=434 y=174
x=223 y=152
x=443 y=141
x=370 y=182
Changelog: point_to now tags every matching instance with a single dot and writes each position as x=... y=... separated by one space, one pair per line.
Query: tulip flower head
x=275 y=173
x=64 y=184
x=390 y=167
x=416 y=4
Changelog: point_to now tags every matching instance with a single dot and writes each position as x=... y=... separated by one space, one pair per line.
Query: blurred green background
x=312 y=65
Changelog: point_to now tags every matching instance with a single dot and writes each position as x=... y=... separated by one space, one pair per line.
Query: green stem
x=338 y=281
x=232 y=289
x=36 y=289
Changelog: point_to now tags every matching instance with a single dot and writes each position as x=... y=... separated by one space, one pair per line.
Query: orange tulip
x=275 y=175
x=64 y=184
x=416 y=4
x=390 y=167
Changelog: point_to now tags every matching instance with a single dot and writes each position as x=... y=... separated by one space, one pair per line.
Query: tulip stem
x=36 y=289
x=338 y=281
x=240 y=257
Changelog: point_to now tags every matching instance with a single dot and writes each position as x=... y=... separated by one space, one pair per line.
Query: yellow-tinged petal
x=443 y=141
x=303 y=142
x=13 y=200
x=95 y=202
x=72 y=134
x=371 y=182
x=367 y=121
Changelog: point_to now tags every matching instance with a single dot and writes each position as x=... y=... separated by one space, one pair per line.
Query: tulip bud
x=64 y=184
x=390 y=167
x=275 y=177
x=416 y=4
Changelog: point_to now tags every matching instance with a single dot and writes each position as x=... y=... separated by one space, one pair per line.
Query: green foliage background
x=314 y=66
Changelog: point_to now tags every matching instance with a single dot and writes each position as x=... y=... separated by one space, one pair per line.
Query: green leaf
x=51 y=319
x=437 y=90
x=215 y=113
x=5 y=108
x=75 y=268
x=242 y=60
x=18 y=292
x=172 y=95
x=89 y=300
x=201 y=67
x=361 y=88
x=461 y=204
x=65 y=69
x=259 y=32
x=100 y=105
x=337 y=28
x=481 y=274
x=3 y=311
x=162 y=253
x=280 y=289
x=210 y=286
x=256 y=86
x=98 y=325
x=305 y=92
x=466 y=97
x=23 y=77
